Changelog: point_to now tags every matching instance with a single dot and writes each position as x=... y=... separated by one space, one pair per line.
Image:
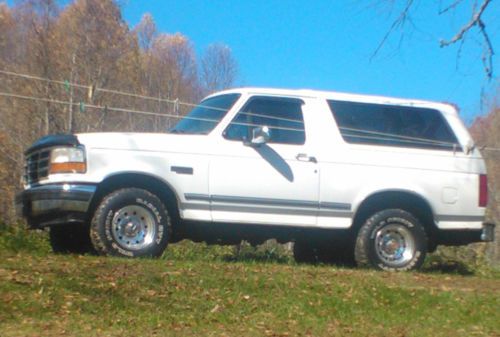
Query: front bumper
x=55 y=204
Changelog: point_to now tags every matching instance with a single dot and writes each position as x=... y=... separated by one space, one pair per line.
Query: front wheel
x=130 y=222
x=392 y=240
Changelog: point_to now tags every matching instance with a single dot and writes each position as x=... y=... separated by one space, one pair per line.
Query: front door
x=272 y=183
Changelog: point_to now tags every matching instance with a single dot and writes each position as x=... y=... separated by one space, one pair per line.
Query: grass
x=198 y=290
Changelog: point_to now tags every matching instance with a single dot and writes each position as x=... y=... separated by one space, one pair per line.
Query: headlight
x=67 y=160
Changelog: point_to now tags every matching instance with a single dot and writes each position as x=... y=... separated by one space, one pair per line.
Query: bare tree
x=219 y=69
x=475 y=24
x=146 y=32
x=71 y=68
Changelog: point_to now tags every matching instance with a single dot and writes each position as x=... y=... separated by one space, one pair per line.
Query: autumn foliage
x=486 y=132
x=84 y=48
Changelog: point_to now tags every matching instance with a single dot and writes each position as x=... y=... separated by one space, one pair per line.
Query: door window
x=283 y=117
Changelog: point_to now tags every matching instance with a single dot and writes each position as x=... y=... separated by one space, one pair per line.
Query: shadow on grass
x=259 y=257
x=448 y=267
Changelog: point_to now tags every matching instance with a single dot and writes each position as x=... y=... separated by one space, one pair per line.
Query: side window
x=283 y=116
x=392 y=125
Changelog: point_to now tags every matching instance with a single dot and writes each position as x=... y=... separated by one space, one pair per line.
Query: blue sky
x=327 y=44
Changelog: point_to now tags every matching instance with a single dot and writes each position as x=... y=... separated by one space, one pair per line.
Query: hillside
x=195 y=290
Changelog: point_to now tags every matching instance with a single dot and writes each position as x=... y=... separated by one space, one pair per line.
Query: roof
x=341 y=96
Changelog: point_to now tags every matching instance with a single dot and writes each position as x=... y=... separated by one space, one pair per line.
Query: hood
x=141 y=141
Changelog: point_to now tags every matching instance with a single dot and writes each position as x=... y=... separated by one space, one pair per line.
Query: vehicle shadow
x=441 y=267
x=268 y=252
x=448 y=267
x=258 y=258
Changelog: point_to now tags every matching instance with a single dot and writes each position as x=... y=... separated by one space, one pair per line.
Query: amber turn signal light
x=70 y=167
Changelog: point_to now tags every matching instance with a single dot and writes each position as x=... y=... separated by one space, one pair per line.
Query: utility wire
x=159 y=99
x=393 y=136
x=123 y=93
x=381 y=134
x=111 y=91
x=49 y=100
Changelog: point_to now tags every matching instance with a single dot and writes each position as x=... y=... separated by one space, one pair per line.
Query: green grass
x=197 y=290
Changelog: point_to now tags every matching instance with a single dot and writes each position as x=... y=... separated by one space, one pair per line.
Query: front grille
x=37 y=166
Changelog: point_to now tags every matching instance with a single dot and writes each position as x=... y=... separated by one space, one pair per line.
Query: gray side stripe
x=335 y=205
x=193 y=206
x=266 y=210
x=459 y=218
x=263 y=201
x=197 y=197
x=268 y=202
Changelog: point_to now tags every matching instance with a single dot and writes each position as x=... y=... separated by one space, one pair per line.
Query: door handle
x=306 y=158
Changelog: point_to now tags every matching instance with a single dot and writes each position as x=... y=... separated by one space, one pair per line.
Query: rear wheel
x=393 y=240
x=131 y=222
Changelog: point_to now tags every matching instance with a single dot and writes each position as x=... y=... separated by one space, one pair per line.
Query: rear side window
x=283 y=116
x=392 y=125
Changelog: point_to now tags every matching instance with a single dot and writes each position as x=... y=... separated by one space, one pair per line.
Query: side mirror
x=260 y=135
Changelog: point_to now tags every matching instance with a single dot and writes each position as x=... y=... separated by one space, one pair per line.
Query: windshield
x=205 y=116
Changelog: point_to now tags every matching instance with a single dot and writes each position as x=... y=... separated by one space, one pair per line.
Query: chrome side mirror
x=260 y=135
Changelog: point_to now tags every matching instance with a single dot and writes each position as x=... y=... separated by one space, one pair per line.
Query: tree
x=86 y=72
x=146 y=32
x=486 y=135
x=7 y=27
x=219 y=69
x=476 y=24
x=96 y=47
x=40 y=16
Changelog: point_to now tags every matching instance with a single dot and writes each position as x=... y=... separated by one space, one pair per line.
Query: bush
x=15 y=238
x=463 y=260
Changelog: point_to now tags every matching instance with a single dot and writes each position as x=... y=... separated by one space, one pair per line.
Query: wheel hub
x=394 y=245
x=133 y=227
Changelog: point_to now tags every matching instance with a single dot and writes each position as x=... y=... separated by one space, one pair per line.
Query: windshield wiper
x=176 y=131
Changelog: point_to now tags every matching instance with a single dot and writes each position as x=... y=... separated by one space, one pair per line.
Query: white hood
x=157 y=142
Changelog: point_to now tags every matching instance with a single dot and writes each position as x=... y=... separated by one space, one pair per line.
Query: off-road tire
x=70 y=239
x=130 y=222
x=384 y=231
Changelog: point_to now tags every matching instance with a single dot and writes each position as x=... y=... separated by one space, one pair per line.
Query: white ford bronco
x=378 y=180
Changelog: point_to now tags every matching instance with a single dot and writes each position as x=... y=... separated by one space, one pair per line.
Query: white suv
x=380 y=180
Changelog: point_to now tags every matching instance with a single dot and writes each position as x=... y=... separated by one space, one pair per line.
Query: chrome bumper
x=54 y=204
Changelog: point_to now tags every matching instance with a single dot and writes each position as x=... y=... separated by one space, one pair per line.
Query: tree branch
x=488 y=52
x=400 y=21
x=450 y=7
x=476 y=20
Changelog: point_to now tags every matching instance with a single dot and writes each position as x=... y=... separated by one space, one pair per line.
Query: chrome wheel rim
x=394 y=245
x=133 y=227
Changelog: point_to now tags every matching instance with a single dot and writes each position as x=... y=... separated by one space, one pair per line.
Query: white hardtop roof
x=308 y=93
